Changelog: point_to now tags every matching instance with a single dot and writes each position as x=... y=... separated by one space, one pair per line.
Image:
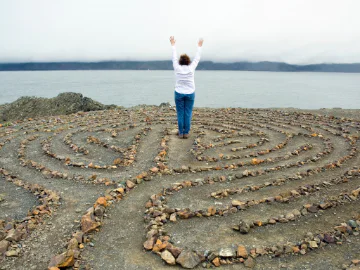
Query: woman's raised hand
x=200 y=43
x=172 y=40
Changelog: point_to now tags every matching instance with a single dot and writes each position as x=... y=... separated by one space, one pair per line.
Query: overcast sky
x=293 y=31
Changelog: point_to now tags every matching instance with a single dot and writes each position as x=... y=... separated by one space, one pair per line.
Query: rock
x=250 y=263
x=168 y=257
x=260 y=250
x=188 y=259
x=296 y=213
x=329 y=238
x=2 y=235
x=173 y=217
x=165 y=104
x=211 y=210
x=65 y=259
x=101 y=201
x=159 y=245
x=73 y=244
x=324 y=205
x=271 y=221
x=352 y=224
x=237 y=203
x=12 y=253
x=4 y=246
x=99 y=210
x=154 y=169
x=64 y=103
x=242 y=252
x=290 y=216
x=175 y=251
x=79 y=236
x=313 y=244
x=14 y=235
x=227 y=252
x=304 y=211
x=244 y=227
x=294 y=193
x=88 y=222
x=216 y=262
x=288 y=248
x=312 y=209
x=130 y=184
x=149 y=244
x=356 y=192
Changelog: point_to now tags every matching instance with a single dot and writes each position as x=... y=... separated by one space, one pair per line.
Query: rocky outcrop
x=64 y=103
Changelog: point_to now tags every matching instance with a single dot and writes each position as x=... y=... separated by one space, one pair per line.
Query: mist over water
x=213 y=88
x=296 y=32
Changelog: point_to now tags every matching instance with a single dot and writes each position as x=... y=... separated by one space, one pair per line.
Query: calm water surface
x=213 y=88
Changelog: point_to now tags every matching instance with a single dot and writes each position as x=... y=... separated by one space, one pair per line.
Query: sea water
x=247 y=89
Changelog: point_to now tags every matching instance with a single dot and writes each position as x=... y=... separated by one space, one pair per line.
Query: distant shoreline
x=69 y=102
x=167 y=65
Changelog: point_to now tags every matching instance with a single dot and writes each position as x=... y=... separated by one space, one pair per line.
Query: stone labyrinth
x=117 y=189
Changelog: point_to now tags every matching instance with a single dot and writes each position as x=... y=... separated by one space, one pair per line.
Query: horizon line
x=204 y=61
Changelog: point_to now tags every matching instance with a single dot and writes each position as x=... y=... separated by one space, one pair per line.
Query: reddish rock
x=65 y=259
x=211 y=210
x=242 y=252
x=216 y=262
x=88 y=222
x=175 y=251
x=101 y=201
x=159 y=245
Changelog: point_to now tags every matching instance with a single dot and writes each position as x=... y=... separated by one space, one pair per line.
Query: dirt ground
x=265 y=153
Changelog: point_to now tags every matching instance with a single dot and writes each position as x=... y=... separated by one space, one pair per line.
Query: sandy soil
x=216 y=134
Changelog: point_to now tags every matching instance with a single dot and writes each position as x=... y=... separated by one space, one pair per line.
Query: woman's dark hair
x=184 y=60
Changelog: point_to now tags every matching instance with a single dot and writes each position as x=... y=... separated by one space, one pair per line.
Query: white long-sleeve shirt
x=184 y=74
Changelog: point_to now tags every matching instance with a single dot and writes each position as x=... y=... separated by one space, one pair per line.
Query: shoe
x=186 y=136
x=181 y=136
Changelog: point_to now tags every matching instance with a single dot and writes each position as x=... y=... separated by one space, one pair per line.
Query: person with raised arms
x=184 y=87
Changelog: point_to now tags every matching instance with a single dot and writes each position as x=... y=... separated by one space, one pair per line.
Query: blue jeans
x=184 y=106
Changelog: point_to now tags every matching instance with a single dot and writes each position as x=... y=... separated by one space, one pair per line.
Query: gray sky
x=293 y=31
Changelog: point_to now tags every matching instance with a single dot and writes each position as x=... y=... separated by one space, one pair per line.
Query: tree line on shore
x=167 y=65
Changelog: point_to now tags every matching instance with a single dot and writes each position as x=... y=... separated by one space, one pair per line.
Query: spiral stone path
x=117 y=189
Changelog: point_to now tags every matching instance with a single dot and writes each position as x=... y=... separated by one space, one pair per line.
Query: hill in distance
x=167 y=65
